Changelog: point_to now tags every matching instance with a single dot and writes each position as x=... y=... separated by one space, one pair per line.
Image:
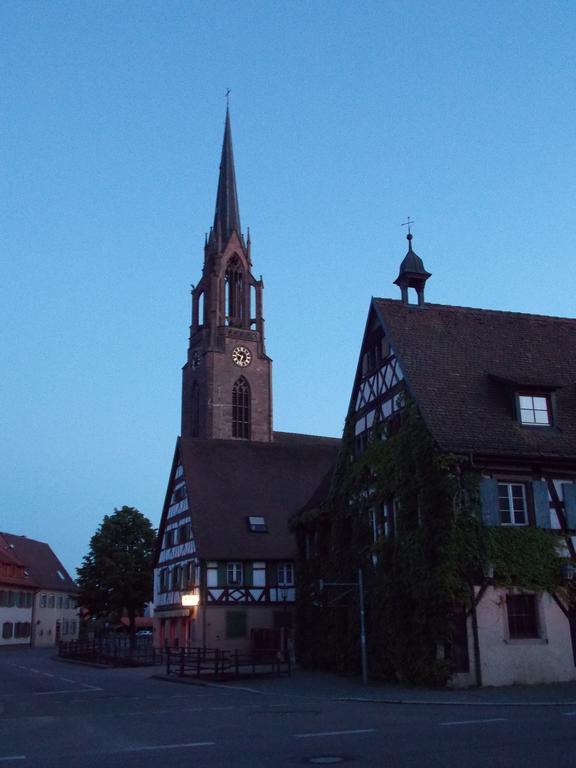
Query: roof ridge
x=479 y=310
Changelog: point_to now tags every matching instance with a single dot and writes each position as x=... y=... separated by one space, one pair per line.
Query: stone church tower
x=227 y=379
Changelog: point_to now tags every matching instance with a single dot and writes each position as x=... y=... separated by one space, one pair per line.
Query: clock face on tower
x=241 y=356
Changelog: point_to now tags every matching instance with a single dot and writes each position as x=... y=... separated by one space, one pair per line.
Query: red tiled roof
x=16 y=574
x=229 y=480
x=462 y=366
x=44 y=567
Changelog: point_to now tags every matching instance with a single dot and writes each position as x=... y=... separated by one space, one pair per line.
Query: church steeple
x=227 y=388
x=227 y=215
x=412 y=274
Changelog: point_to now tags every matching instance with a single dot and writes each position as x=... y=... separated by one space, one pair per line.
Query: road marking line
x=568 y=714
x=475 y=722
x=12 y=757
x=333 y=733
x=48 y=674
x=53 y=693
x=170 y=746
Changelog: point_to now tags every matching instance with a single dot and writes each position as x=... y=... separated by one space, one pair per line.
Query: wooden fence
x=216 y=664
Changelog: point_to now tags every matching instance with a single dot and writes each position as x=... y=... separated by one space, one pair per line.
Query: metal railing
x=216 y=664
x=115 y=652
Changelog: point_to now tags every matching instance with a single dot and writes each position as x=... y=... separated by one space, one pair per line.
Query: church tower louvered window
x=234 y=286
x=241 y=409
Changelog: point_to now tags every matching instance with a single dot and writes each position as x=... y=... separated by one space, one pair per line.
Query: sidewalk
x=321 y=685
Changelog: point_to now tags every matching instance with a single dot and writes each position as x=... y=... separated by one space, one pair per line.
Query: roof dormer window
x=534 y=409
x=257 y=524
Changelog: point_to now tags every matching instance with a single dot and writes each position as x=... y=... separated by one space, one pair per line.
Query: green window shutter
x=236 y=624
x=272 y=574
x=222 y=577
x=569 y=491
x=489 y=501
x=248 y=570
x=541 y=504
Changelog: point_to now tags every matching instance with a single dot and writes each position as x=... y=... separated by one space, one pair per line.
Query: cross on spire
x=407 y=223
x=227 y=95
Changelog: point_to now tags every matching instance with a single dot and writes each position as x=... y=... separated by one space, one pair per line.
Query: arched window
x=234 y=287
x=195 y=411
x=201 y=318
x=241 y=409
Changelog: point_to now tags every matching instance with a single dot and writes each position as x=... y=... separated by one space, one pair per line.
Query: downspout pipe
x=475 y=637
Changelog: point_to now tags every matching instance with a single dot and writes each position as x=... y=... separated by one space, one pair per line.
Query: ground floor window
x=7 y=629
x=22 y=629
x=522 y=616
x=236 y=624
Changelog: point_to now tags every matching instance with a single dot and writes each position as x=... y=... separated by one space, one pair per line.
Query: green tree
x=116 y=576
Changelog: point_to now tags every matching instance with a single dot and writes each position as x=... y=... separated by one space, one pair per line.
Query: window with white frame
x=534 y=409
x=176 y=577
x=285 y=574
x=234 y=574
x=512 y=504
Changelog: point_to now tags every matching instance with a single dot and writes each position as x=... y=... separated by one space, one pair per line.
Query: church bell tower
x=227 y=379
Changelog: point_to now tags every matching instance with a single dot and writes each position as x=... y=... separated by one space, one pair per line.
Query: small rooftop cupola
x=227 y=215
x=412 y=274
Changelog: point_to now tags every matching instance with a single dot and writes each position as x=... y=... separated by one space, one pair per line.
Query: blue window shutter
x=541 y=504
x=569 y=490
x=489 y=501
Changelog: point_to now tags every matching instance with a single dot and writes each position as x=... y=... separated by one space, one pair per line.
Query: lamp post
x=284 y=627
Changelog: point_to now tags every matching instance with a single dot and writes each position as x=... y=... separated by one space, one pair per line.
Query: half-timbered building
x=460 y=477
x=224 y=541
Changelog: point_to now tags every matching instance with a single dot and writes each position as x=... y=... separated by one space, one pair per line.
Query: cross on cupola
x=412 y=272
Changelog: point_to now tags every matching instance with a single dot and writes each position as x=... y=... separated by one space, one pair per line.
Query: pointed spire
x=227 y=216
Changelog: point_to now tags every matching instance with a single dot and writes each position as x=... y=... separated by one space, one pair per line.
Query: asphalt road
x=70 y=716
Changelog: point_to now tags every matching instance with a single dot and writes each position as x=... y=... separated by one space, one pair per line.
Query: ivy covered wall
x=418 y=578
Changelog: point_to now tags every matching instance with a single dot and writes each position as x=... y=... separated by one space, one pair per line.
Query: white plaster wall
x=45 y=619
x=258 y=617
x=505 y=661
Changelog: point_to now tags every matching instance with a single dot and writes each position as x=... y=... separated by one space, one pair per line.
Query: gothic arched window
x=195 y=411
x=234 y=288
x=241 y=409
